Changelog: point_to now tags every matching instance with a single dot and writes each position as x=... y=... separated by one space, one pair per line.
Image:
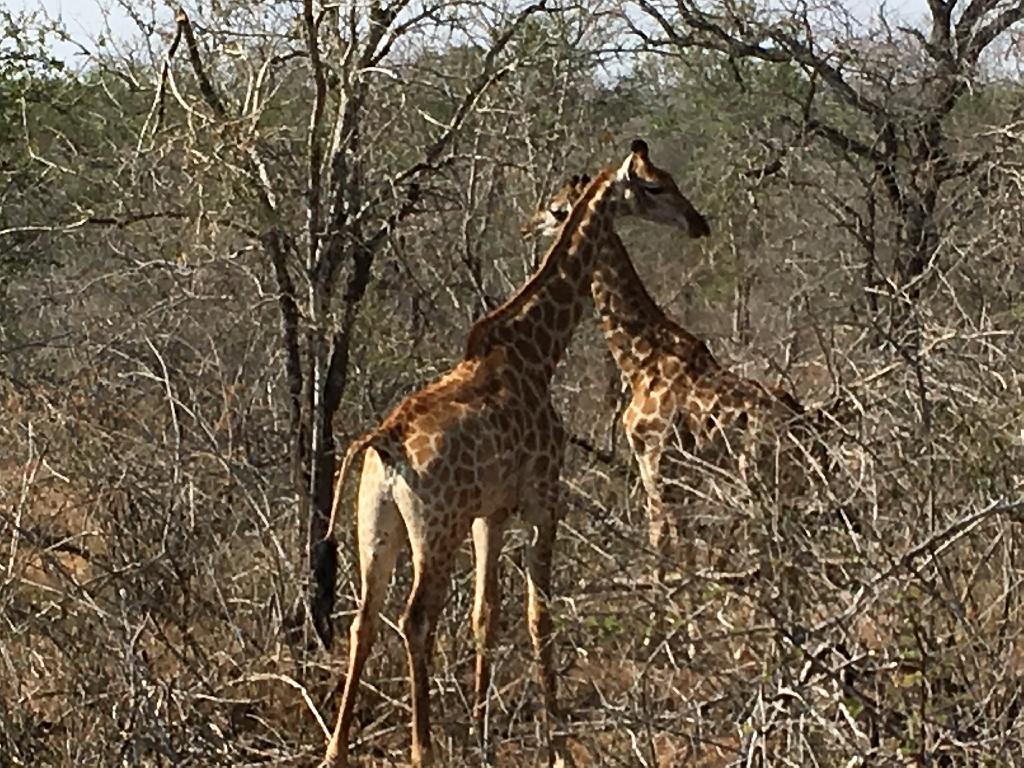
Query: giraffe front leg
x=661 y=524
x=487 y=542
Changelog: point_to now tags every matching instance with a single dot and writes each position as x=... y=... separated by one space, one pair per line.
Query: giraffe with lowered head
x=678 y=387
x=475 y=445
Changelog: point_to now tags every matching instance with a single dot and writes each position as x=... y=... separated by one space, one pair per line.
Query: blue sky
x=85 y=20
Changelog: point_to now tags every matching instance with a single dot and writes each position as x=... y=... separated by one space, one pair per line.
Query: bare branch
x=983 y=37
x=314 y=141
x=205 y=86
x=972 y=14
x=789 y=49
x=159 y=97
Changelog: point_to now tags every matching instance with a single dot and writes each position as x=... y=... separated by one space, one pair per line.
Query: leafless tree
x=208 y=240
x=352 y=203
x=882 y=100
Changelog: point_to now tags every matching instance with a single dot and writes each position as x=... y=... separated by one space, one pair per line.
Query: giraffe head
x=548 y=219
x=647 y=192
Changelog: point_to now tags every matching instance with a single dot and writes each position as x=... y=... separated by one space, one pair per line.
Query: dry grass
x=869 y=634
x=151 y=538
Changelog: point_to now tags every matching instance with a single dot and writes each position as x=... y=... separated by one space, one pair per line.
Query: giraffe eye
x=654 y=190
x=559 y=214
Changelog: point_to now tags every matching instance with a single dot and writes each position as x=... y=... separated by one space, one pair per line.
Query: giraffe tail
x=324 y=555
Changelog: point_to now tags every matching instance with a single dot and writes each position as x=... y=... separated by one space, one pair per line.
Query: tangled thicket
x=167 y=307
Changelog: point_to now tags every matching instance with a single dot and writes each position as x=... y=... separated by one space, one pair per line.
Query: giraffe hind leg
x=435 y=532
x=380 y=536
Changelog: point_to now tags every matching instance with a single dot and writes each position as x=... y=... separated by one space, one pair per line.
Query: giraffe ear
x=584 y=179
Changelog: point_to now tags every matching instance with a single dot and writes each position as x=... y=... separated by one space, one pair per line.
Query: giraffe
x=678 y=387
x=475 y=445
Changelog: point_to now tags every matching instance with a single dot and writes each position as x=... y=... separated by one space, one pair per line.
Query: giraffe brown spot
x=528 y=352
x=533 y=390
x=531 y=440
x=544 y=341
x=692 y=421
x=619 y=339
x=454 y=442
x=670 y=367
x=515 y=358
x=428 y=423
x=464 y=475
x=561 y=292
x=574 y=268
x=467 y=452
x=418 y=442
x=547 y=315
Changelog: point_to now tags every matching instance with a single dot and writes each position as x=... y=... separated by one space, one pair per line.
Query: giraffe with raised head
x=477 y=444
x=679 y=390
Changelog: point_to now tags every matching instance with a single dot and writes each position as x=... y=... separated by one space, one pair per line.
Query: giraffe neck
x=536 y=324
x=639 y=334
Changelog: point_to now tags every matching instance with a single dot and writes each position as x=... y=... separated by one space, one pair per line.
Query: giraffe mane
x=476 y=340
